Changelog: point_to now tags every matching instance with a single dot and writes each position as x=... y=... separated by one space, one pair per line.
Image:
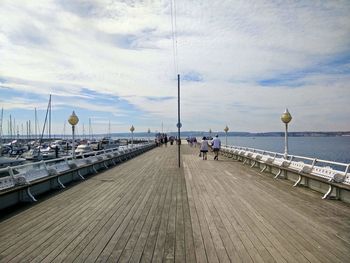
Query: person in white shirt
x=216 y=144
x=204 y=148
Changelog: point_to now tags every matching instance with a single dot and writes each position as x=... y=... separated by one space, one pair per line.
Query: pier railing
x=25 y=174
x=335 y=174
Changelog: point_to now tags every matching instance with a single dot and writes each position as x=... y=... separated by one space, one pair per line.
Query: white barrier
x=300 y=164
x=27 y=173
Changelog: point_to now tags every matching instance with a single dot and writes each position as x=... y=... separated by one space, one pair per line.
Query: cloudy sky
x=241 y=63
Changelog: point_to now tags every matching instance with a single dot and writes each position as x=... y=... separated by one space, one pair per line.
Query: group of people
x=215 y=144
x=162 y=138
x=192 y=141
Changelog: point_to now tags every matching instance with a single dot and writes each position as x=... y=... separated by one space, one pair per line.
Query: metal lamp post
x=149 y=131
x=132 y=135
x=73 y=120
x=226 y=130
x=286 y=118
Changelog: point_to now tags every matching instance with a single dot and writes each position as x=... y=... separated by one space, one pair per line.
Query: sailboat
x=7 y=161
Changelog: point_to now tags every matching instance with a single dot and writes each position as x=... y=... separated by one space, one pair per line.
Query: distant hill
x=242 y=134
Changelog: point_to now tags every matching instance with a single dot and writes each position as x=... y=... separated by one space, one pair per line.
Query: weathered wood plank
x=148 y=210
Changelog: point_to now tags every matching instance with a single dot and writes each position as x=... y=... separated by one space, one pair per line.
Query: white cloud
x=124 y=48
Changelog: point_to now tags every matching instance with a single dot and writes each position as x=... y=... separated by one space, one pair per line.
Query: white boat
x=109 y=143
x=82 y=149
x=32 y=155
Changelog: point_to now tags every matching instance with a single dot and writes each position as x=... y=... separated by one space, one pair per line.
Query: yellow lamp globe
x=286 y=117
x=226 y=129
x=132 y=128
x=73 y=119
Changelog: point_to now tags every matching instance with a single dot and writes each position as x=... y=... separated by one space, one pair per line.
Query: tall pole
x=73 y=142
x=178 y=117
x=132 y=139
x=73 y=120
x=226 y=130
x=286 y=142
x=286 y=118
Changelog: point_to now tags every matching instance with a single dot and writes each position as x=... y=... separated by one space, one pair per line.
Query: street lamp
x=149 y=131
x=226 y=130
x=210 y=133
x=286 y=118
x=73 y=120
x=132 y=135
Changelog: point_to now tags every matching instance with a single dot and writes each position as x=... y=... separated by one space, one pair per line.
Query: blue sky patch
x=192 y=76
x=339 y=64
x=160 y=98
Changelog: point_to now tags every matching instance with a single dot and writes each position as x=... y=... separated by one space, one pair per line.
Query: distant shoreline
x=243 y=134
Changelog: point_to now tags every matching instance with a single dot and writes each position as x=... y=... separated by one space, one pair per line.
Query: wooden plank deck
x=148 y=210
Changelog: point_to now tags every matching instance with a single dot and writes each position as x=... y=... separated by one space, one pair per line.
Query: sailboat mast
x=29 y=130
x=89 y=128
x=14 y=128
x=64 y=130
x=44 y=126
x=10 y=127
x=36 y=125
x=2 y=118
x=50 y=118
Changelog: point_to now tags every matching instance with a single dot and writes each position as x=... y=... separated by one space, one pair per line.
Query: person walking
x=216 y=144
x=204 y=148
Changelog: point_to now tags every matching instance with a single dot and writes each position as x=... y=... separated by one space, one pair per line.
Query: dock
x=149 y=210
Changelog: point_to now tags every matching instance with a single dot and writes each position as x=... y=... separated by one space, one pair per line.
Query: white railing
x=330 y=170
x=26 y=173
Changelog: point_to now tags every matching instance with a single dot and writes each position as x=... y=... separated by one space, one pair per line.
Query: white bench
x=6 y=182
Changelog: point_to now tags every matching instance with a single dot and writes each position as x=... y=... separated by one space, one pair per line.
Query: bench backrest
x=6 y=182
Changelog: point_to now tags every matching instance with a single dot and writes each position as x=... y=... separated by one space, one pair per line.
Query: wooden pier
x=149 y=210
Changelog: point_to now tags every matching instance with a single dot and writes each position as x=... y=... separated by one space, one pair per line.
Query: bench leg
x=30 y=195
x=80 y=175
x=104 y=163
x=93 y=168
x=278 y=173
x=60 y=183
x=245 y=160
x=253 y=164
x=263 y=169
x=330 y=189
x=298 y=181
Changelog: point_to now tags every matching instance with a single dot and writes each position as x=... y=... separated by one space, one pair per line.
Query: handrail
x=291 y=157
x=66 y=158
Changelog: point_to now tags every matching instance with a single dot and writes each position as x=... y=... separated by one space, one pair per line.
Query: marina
x=174 y=131
x=147 y=209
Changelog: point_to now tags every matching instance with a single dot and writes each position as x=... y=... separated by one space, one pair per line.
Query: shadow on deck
x=208 y=211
